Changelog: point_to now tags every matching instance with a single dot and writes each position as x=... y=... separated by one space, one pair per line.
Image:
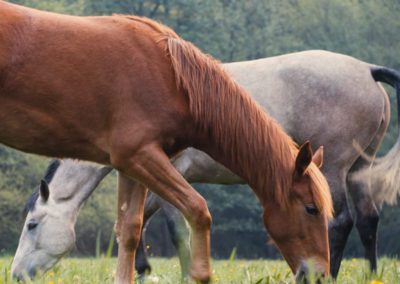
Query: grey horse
x=328 y=98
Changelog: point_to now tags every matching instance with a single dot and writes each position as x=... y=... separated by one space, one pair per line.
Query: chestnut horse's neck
x=236 y=131
x=243 y=137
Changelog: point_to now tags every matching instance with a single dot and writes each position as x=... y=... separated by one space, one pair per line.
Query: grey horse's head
x=48 y=231
x=51 y=212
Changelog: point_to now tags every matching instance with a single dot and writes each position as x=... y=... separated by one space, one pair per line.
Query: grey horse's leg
x=366 y=212
x=341 y=225
x=180 y=234
x=367 y=216
x=142 y=264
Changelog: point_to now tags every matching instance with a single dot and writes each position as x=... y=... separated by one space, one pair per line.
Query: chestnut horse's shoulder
x=15 y=31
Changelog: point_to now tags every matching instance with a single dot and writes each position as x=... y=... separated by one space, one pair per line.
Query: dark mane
x=51 y=170
x=48 y=176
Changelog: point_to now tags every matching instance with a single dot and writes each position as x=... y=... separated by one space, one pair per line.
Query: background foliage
x=230 y=30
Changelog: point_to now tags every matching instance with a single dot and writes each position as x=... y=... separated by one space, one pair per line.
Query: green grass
x=102 y=270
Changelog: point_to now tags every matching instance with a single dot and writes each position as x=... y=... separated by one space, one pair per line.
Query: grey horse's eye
x=32 y=225
x=311 y=209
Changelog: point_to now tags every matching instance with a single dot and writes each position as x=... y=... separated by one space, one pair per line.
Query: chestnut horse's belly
x=89 y=125
x=32 y=131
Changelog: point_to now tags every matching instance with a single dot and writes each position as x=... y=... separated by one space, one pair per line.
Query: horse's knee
x=129 y=236
x=341 y=225
x=199 y=216
x=367 y=226
x=368 y=221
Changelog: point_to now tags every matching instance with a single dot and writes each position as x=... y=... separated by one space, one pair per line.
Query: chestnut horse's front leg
x=152 y=167
x=131 y=197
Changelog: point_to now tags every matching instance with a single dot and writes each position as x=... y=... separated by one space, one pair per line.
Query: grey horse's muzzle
x=23 y=275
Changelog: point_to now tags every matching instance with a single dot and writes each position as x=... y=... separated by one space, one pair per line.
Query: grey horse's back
x=333 y=93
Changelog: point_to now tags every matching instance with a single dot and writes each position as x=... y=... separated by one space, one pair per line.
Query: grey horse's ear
x=44 y=190
x=303 y=159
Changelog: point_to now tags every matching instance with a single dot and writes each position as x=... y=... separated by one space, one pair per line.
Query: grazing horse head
x=44 y=239
x=51 y=212
x=297 y=220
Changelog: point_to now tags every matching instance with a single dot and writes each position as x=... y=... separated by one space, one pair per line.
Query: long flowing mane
x=221 y=109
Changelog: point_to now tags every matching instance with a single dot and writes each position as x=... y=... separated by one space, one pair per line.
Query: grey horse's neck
x=197 y=167
x=74 y=182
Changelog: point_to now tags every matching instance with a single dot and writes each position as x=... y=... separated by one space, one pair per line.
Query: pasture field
x=102 y=270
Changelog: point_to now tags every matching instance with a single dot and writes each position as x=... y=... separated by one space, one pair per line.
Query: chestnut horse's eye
x=312 y=210
x=32 y=226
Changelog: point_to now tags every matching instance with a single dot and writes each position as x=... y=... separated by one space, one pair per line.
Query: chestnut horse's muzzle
x=304 y=273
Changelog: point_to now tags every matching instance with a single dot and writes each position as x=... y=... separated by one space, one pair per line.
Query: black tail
x=391 y=77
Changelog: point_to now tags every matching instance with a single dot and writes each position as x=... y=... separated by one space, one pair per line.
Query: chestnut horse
x=128 y=92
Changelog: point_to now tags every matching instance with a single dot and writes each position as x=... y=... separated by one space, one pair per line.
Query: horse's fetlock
x=200 y=273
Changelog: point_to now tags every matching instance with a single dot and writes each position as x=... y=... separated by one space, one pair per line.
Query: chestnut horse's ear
x=44 y=190
x=318 y=157
x=304 y=158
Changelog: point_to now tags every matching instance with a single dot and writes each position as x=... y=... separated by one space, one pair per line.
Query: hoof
x=143 y=269
x=202 y=277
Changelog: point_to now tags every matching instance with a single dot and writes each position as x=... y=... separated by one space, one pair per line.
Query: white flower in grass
x=153 y=279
